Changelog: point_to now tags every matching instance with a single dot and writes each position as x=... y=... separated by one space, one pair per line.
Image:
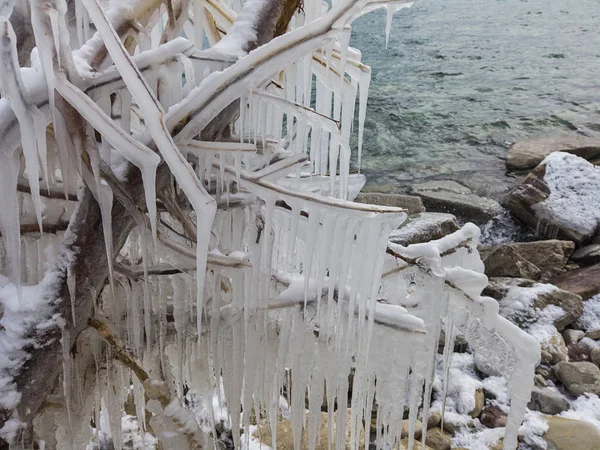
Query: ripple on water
x=462 y=79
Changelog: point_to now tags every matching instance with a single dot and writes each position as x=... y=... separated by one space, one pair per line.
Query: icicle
x=363 y=86
x=388 y=24
x=9 y=219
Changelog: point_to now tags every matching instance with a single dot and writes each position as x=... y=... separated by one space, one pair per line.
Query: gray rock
x=526 y=201
x=412 y=203
x=579 y=377
x=589 y=254
x=593 y=334
x=424 y=227
x=438 y=439
x=587 y=344
x=533 y=260
x=595 y=356
x=498 y=288
x=529 y=153
x=572 y=336
x=454 y=198
x=506 y=261
x=584 y=282
x=484 y=366
x=547 y=401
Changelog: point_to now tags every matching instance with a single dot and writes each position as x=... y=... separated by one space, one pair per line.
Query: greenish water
x=463 y=79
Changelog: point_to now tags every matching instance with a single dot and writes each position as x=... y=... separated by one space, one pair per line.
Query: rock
x=546 y=372
x=593 y=334
x=438 y=439
x=434 y=419
x=586 y=345
x=479 y=403
x=579 y=377
x=572 y=336
x=554 y=346
x=595 y=356
x=425 y=227
x=454 y=198
x=590 y=254
x=547 y=401
x=548 y=257
x=569 y=434
x=493 y=417
x=584 y=282
x=576 y=353
x=558 y=198
x=527 y=154
x=540 y=381
x=412 y=203
x=506 y=261
x=506 y=290
x=418 y=429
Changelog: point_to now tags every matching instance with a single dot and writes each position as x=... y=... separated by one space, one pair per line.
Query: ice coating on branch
x=300 y=286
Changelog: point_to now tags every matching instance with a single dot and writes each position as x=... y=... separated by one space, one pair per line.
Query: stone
x=484 y=366
x=540 y=381
x=417 y=445
x=527 y=154
x=584 y=282
x=576 y=354
x=438 y=439
x=546 y=372
x=418 y=429
x=548 y=401
x=500 y=288
x=479 y=403
x=579 y=377
x=549 y=256
x=452 y=197
x=589 y=254
x=554 y=346
x=569 y=434
x=595 y=356
x=506 y=261
x=570 y=214
x=434 y=419
x=572 y=336
x=593 y=334
x=424 y=227
x=412 y=203
x=586 y=345
x=493 y=417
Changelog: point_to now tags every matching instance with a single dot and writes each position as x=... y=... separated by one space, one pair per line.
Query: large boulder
x=579 y=377
x=584 y=282
x=532 y=260
x=569 y=434
x=522 y=301
x=452 y=197
x=424 y=227
x=412 y=203
x=559 y=198
x=527 y=154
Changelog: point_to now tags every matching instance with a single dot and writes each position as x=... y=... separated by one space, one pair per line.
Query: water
x=463 y=79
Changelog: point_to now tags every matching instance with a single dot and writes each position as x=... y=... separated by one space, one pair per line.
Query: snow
x=573 y=184
x=585 y=407
x=590 y=319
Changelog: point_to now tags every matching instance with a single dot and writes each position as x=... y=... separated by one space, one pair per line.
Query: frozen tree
x=176 y=214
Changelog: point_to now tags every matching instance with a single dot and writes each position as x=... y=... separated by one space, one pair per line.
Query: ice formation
x=256 y=275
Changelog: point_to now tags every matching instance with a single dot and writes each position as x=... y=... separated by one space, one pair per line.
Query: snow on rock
x=590 y=319
x=586 y=408
x=574 y=202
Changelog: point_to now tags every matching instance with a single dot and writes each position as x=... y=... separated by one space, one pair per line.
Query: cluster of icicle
x=290 y=286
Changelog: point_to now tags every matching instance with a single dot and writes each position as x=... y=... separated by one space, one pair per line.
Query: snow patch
x=590 y=319
x=574 y=185
x=585 y=407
